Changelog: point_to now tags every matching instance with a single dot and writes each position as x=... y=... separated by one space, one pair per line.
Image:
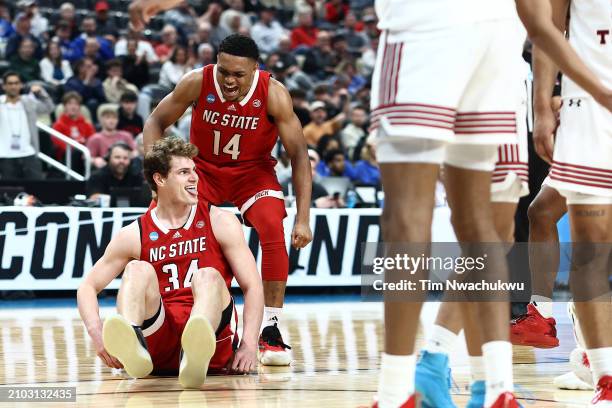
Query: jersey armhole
x=140 y=230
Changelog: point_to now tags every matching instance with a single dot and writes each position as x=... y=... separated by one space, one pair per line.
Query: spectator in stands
x=213 y=17
x=115 y=85
x=356 y=81
x=335 y=11
x=337 y=165
x=370 y=22
x=92 y=50
x=116 y=173
x=367 y=59
x=234 y=17
x=73 y=124
x=366 y=170
x=136 y=164
x=319 y=61
x=267 y=32
x=304 y=34
x=326 y=144
x=6 y=28
x=201 y=36
x=68 y=14
x=357 y=42
x=174 y=69
x=100 y=142
x=340 y=49
x=86 y=84
x=39 y=23
x=316 y=7
x=89 y=28
x=129 y=120
x=321 y=93
x=352 y=133
x=284 y=51
x=143 y=48
x=135 y=66
x=183 y=17
x=54 y=69
x=292 y=77
x=105 y=26
x=22 y=26
x=24 y=62
x=300 y=106
x=283 y=165
x=206 y=56
x=169 y=38
x=19 y=142
x=319 y=124
x=63 y=35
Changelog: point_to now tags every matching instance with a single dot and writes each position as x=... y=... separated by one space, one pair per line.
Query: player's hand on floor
x=245 y=359
x=110 y=361
x=301 y=235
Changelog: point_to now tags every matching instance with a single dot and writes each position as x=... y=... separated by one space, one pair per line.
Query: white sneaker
x=580 y=378
x=122 y=341
x=272 y=350
x=199 y=343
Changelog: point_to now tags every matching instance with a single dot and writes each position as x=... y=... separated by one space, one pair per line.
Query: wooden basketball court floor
x=336 y=348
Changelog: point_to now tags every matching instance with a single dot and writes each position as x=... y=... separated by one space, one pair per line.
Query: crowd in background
x=105 y=79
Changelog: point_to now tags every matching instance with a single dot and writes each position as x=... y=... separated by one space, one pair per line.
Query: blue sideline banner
x=53 y=248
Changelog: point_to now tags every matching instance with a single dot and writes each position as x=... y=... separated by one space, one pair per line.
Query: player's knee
x=139 y=271
x=469 y=229
x=207 y=278
x=408 y=224
x=538 y=214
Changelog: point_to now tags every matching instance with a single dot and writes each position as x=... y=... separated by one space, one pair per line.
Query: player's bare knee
x=469 y=229
x=207 y=278
x=139 y=271
x=412 y=225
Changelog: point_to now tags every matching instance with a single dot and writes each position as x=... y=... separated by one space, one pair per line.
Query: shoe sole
x=120 y=341
x=549 y=342
x=199 y=343
x=274 y=358
x=570 y=381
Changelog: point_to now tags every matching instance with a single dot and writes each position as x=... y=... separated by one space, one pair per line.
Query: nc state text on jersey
x=233 y=121
x=177 y=249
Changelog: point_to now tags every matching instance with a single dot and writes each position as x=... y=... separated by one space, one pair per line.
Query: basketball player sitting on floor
x=178 y=260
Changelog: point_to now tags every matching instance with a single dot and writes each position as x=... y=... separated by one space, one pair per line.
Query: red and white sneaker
x=506 y=400
x=532 y=329
x=603 y=395
x=413 y=402
x=272 y=350
x=580 y=378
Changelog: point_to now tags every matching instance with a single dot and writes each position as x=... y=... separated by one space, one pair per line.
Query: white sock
x=497 y=356
x=271 y=315
x=543 y=304
x=477 y=368
x=396 y=381
x=600 y=360
x=441 y=340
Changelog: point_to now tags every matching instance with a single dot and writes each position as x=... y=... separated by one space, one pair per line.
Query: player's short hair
x=240 y=46
x=158 y=159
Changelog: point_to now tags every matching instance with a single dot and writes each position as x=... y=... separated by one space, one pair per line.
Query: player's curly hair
x=158 y=159
x=240 y=46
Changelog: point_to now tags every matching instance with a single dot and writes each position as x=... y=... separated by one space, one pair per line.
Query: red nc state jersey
x=231 y=133
x=176 y=254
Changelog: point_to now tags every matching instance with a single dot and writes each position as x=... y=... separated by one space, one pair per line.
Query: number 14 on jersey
x=232 y=147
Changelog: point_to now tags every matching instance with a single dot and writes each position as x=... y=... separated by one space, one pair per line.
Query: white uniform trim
x=264 y=193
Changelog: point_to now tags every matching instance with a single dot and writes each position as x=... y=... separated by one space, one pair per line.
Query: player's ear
x=159 y=179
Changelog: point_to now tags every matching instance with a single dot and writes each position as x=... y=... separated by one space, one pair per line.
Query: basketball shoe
x=580 y=378
x=532 y=329
x=477 y=395
x=128 y=345
x=272 y=350
x=198 y=344
x=506 y=400
x=603 y=396
x=433 y=380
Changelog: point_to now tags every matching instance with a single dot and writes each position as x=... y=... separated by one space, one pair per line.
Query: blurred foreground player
x=239 y=113
x=582 y=169
x=141 y=11
x=178 y=261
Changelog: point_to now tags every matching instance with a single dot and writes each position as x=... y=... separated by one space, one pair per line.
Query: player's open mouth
x=193 y=190
x=230 y=90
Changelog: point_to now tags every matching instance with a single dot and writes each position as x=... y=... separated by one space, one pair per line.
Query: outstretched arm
x=280 y=108
x=141 y=11
x=124 y=247
x=537 y=16
x=228 y=232
x=172 y=107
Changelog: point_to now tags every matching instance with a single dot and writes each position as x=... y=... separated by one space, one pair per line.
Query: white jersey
x=590 y=34
x=428 y=15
